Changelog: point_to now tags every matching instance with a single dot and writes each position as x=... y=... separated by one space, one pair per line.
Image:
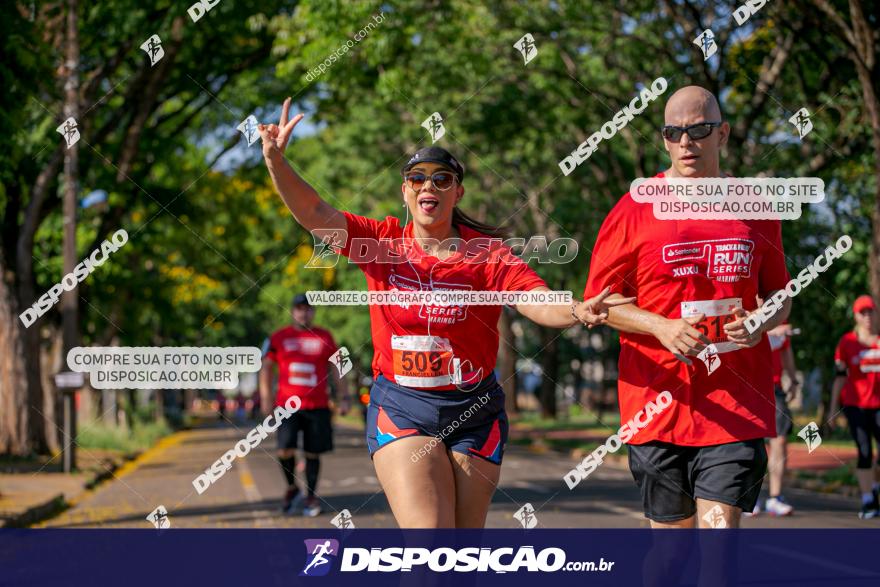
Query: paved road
x=249 y=494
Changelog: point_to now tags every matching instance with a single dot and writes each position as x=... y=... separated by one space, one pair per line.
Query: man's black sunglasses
x=701 y=130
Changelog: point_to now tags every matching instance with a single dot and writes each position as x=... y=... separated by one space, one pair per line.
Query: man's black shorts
x=672 y=477
x=316 y=429
x=784 y=421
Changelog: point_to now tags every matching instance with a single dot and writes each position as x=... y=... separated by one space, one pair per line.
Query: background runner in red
x=776 y=361
x=862 y=387
x=302 y=356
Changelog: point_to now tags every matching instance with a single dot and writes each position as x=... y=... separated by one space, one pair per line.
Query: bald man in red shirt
x=700 y=461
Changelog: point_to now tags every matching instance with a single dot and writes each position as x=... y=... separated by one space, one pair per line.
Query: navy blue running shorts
x=473 y=422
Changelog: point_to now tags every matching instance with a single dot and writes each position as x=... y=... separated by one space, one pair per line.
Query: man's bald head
x=692 y=104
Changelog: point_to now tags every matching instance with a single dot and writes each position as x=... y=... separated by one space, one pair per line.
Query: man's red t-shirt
x=436 y=347
x=302 y=356
x=677 y=267
x=862 y=388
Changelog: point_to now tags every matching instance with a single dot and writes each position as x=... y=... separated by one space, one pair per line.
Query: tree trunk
x=15 y=417
x=50 y=363
x=507 y=361
x=550 y=366
x=69 y=326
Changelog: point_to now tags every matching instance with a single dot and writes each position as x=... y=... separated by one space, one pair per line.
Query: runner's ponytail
x=460 y=218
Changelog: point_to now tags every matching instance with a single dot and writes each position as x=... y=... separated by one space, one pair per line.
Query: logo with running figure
x=153 y=48
x=715 y=517
x=434 y=125
x=342 y=360
x=801 y=121
x=810 y=434
x=706 y=42
x=343 y=520
x=325 y=254
x=159 y=518
x=248 y=128
x=527 y=47
x=710 y=358
x=526 y=516
x=320 y=554
x=69 y=131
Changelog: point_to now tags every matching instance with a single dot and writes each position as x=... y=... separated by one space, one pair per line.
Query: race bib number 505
x=423 y=361
x=717 y=314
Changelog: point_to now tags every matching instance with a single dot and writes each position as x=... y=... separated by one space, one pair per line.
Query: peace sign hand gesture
x=274 y=136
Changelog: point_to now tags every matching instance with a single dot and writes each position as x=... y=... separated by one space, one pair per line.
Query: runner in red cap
x=702 y=459
x=856 y=390
x=436 y=424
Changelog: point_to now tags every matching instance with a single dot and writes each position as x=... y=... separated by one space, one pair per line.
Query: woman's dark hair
x=460 y=218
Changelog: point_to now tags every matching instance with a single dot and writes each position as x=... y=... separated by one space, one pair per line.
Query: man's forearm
x=788 y=364
x=630 y=318
x=266 y=389
x=836 y=388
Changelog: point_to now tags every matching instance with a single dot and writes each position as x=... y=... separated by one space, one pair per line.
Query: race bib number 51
x=717 y=314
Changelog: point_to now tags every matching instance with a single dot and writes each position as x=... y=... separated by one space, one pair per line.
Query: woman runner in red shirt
x=857 y=390
x=436 y=424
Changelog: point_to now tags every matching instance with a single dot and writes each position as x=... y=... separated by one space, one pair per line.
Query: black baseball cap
x=436 y=155
x=300 y=299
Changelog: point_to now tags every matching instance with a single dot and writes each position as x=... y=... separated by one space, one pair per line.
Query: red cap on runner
x=863 y=303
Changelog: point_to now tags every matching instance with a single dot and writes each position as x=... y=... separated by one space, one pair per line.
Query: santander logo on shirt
x=726 y=259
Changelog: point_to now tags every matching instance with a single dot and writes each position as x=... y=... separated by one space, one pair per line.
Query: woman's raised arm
x=301 y=199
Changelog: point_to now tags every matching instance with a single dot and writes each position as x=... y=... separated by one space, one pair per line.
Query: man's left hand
x=738 y=334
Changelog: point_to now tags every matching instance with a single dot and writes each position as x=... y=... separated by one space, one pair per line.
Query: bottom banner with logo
x=443 y=557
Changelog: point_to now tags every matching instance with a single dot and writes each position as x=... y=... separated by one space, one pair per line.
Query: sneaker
x=777 y=506
x=754 y=512
x=293 y=501
x=312 y=507
x=871 y=509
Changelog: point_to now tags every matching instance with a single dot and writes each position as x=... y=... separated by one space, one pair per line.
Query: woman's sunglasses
x=442 y=180
x=697 y=131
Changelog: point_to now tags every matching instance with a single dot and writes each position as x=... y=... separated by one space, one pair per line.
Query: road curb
x=35 y=513
x=38 y=515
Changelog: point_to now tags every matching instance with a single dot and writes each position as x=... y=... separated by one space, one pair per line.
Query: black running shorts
x=672 y=477
x=316 y=427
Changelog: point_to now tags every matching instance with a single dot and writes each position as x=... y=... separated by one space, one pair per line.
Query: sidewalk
x=34 y=490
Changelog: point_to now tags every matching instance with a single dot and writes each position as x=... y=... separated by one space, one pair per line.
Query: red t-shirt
x=436 y=347
x=776 y=359
x=862 y=388
x=302 y=357
x=691 y=266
